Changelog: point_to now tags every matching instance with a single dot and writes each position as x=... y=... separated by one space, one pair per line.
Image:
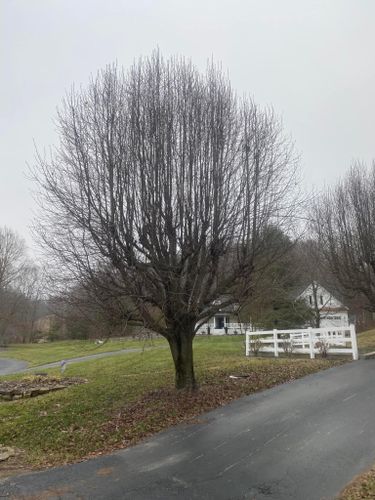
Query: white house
x=224 y=321
x=332 y=312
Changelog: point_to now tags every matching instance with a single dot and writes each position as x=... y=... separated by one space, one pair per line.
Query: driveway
x=303 y=440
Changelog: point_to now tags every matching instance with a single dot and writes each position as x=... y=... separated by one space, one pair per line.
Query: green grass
x=366 y=341
x=81 y=420
x=38 y=354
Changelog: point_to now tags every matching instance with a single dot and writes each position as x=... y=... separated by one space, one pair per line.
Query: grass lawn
x=130 y=397
x=366 y=341
x=38 y=354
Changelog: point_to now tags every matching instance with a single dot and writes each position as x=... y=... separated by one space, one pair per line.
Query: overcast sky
x=314 y=61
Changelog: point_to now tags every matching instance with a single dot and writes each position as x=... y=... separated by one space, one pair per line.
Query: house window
x=321 y=300
x=310 y=300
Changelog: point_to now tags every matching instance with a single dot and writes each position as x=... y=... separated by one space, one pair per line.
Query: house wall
x=212 y=324
x=332 y=312
x=325 y=299
x=334 y=319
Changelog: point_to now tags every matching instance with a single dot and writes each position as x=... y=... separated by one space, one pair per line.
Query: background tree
x=274 y=303
x=12 y=257
x=26 y=304
x=20 y=289
x=163 y=174
x=313 y=271
x=344 y=222
x=285 y=313
x=95 y=308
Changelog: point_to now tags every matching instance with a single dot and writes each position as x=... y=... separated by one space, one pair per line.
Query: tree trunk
x=181 y=344
x=317 y=320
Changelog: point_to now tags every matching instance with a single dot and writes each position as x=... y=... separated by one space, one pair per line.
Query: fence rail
x=340 y=340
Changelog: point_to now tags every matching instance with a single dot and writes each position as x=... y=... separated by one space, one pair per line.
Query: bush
x=255 y=344
x=288 y=345
x=323 y=346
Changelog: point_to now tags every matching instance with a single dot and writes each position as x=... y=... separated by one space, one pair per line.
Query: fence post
x=275 y=344
x=247 y=343
x=353 y=338
x=311 y=343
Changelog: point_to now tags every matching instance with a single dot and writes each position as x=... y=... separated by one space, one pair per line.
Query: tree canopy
x=343 y=219
x=163 y=175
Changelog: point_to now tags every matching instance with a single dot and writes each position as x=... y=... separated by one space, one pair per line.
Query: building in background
x=328 y=310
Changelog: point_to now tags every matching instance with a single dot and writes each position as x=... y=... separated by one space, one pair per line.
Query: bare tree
x=29 y=289
x=320 y=306
x=313 y=271
x=12 y=257
x=95 y=308
x=19 y=288
x=163 y=174
x=344 y=222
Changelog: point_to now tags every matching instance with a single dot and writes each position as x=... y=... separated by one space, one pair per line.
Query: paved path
x=8 y=366
x=303 y=441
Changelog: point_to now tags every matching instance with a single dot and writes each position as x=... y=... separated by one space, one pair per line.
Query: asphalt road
x=303 y=440
x=8 y=366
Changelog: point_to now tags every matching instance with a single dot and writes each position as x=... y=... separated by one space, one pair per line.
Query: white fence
x=341 y=340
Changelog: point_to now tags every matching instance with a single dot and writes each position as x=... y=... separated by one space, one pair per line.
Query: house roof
x=334 y=309
x=232 y=308
x=297 y=293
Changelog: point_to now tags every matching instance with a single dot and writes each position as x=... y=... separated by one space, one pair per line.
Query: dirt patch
x=48 y=494
x=14 y=465
x=105 y=471
x=29 y=387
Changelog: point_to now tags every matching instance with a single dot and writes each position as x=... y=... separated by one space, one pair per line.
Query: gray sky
x=312 y=60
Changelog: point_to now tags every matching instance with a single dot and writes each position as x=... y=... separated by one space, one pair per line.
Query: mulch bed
x=32 y=386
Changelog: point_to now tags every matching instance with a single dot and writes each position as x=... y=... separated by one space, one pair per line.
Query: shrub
x=255 y=344
x=323 y=346
x=288 y=345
